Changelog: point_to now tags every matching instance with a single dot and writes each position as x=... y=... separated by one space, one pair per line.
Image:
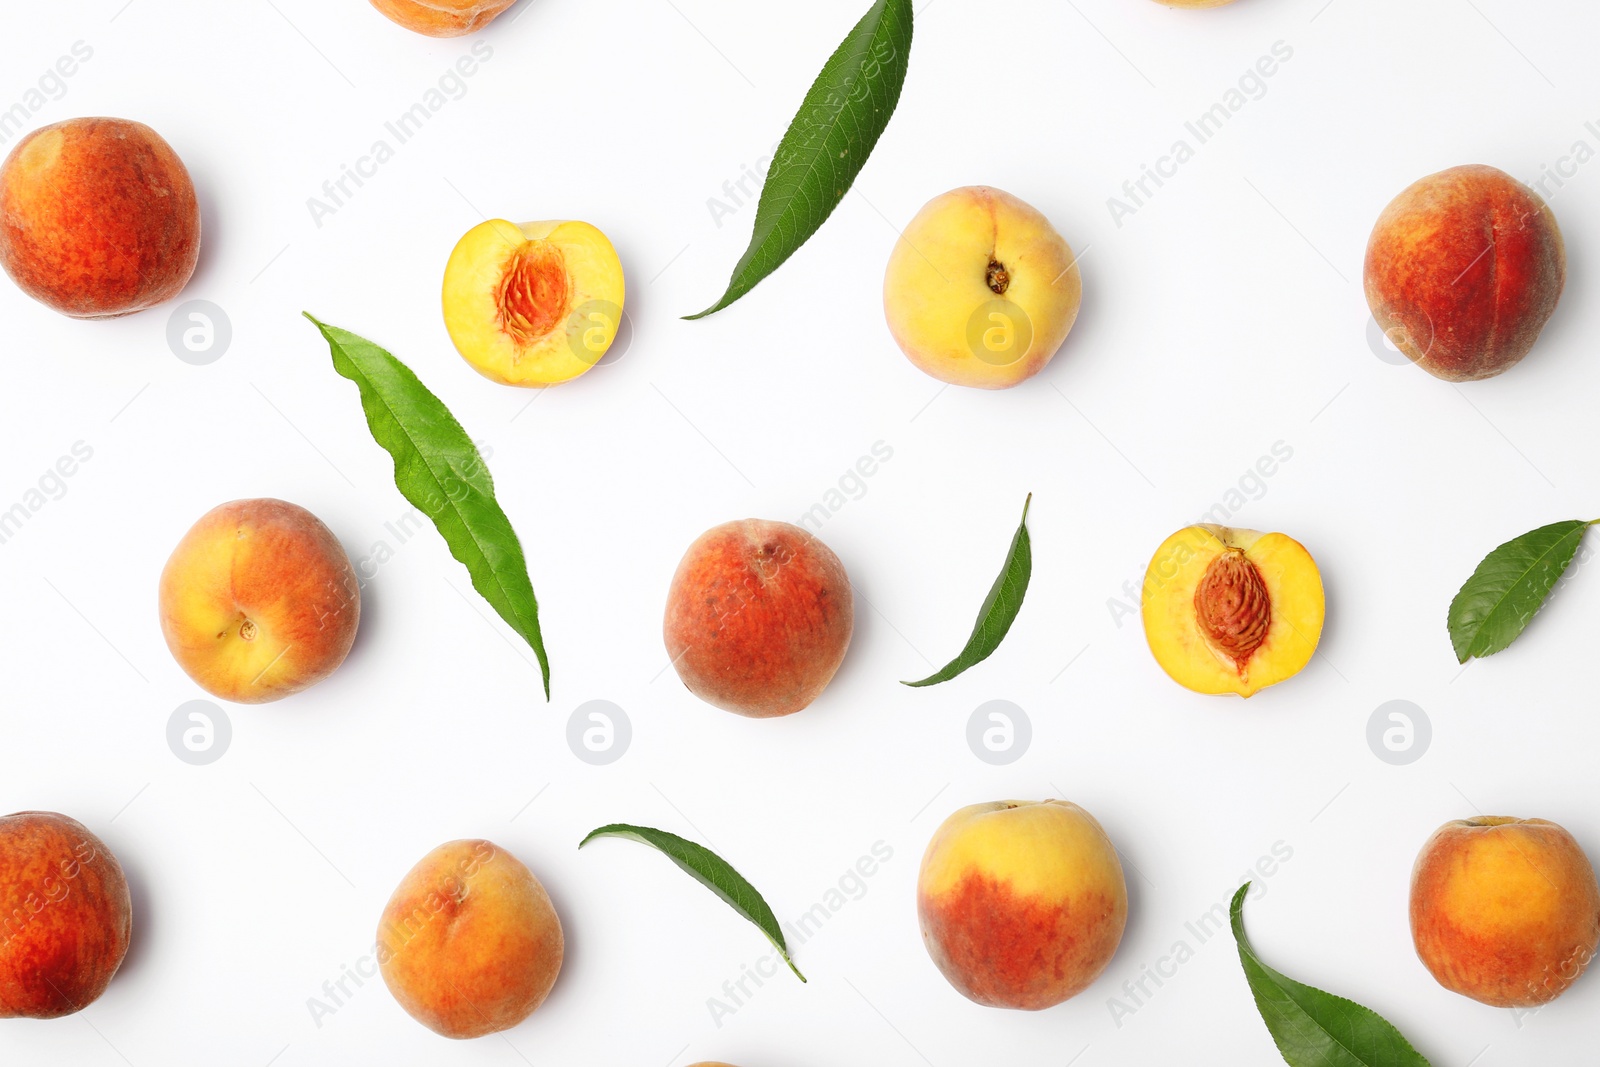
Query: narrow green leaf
x=711 y=871
x=1316 y=1029
x=827 y=144
x=1510 y=586
x=999 y=609
x=438 y=469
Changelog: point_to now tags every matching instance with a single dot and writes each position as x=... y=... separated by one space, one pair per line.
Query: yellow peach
x=470 y=944
x=1022 y=905
x=1232 y=611
x=981 y=290
x=535 y=304
x=259 y=601
x=1505 y=911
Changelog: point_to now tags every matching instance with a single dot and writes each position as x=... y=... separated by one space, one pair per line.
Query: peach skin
x=65 y=916
x=1505 y=911
x=1021 y=904
x=470 y=944
x=442 y=18
x=1463 y=270
x=259 y=601
x=758 y=617
x=98 y=218
x=981 y=290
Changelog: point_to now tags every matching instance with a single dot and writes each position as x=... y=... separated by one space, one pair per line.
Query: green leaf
x=438 y=469
x=1316 y=1029
x=1510 y=586
x=828 y=143
x=711 y=871
x=999 y=609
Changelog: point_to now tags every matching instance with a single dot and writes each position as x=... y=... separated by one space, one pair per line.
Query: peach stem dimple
x=997 y=277
x=248 y=630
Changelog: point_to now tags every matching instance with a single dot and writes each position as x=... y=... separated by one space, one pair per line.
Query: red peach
x=98 y=218
x=758 y=618
x=65 y=916
x=1463 y=270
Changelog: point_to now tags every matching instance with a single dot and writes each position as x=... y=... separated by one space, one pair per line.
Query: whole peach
x=1022 y=905
x=470 y=944
x=1463 y=270
x=259 y=601
x=1505 y=911
x=65 y=916
x=758 y=618
x=980 y=289
x=98 y=218
x=442 y=18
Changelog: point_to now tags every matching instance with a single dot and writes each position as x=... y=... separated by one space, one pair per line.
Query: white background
x=1222 y=318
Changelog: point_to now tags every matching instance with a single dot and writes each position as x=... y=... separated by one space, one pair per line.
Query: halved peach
x=1232 y=611
x=534 y=304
